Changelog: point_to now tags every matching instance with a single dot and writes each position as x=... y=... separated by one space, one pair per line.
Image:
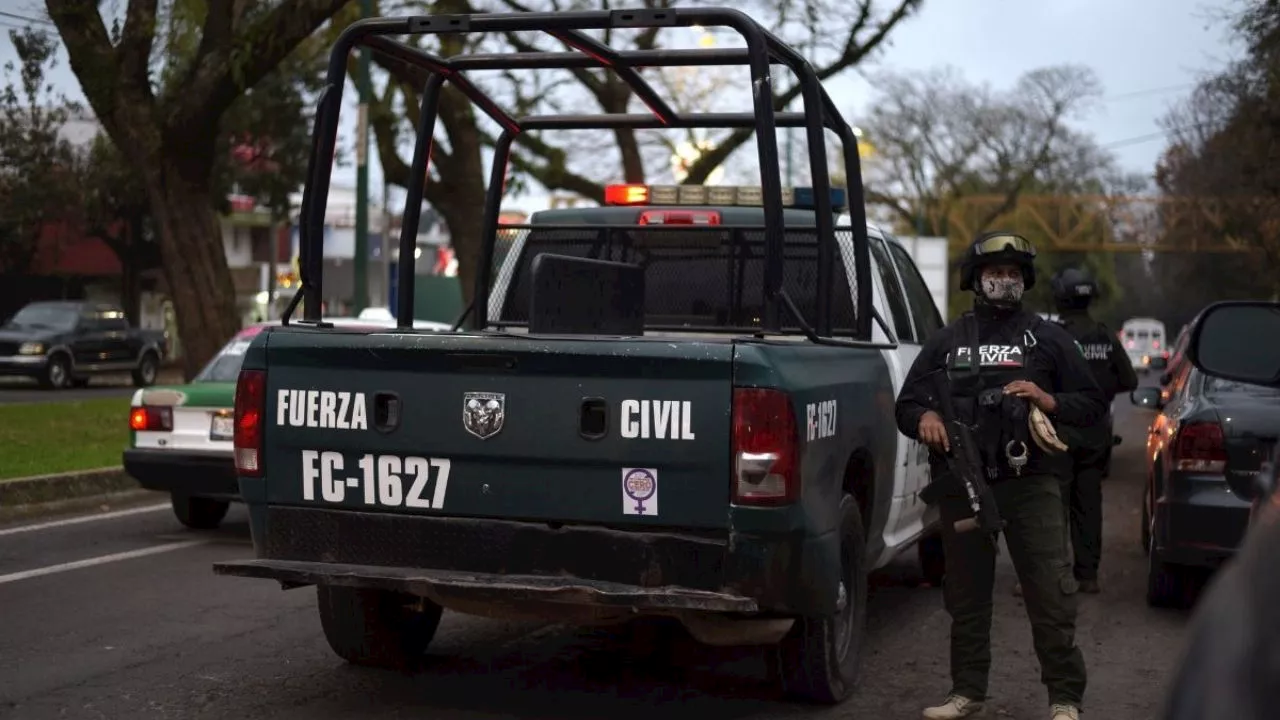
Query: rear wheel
x=377 y=628
x=819 y=657
x=1146 y=520
x=199 y=513
x=1168 y=585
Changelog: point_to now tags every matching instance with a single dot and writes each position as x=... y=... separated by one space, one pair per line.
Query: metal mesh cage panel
x=695 y=278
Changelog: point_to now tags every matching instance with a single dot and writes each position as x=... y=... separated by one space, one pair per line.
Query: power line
x=1151 y=136
x=1136 y=140
x=1150 y=91
x=24 y=18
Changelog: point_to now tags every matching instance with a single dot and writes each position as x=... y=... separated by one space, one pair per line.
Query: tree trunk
x=195 y=265
x=466 y=223
x=130 y=291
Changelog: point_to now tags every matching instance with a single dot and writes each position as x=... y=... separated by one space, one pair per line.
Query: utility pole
x=361 y=299
x=385 y=269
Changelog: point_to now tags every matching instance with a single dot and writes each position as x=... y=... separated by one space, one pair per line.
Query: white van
x=1143 y=339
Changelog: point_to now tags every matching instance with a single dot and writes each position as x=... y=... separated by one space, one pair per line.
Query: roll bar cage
x=763 y=48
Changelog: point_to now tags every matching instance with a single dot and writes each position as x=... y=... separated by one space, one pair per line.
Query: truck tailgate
x=620 y=432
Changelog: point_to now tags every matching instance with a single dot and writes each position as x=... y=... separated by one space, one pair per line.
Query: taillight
x=251 y=407
x=151 y=418
x=1200 y=448
x=680 y=217
x=766 y=461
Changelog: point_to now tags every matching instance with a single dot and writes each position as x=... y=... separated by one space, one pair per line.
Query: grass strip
x=55 y=437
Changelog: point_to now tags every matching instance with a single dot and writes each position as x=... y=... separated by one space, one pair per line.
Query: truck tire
x=199 y=513
x=148 y=367
x=377 y=628
x=819 y=658
x=933 y=561
x=57 y=373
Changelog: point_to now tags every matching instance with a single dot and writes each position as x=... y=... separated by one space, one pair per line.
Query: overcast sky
x=1147 y=53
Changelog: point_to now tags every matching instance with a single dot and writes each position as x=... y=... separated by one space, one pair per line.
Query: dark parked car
x=1228 y=668
x=1190 y=515
x=61 y=343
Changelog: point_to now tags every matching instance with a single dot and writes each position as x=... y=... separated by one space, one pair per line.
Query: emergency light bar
x=801 y=198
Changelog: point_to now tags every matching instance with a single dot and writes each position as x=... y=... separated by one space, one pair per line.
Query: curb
x=105 y=482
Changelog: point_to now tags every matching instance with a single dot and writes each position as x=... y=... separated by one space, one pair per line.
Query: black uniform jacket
x=1055 y=364
x=1108 y=360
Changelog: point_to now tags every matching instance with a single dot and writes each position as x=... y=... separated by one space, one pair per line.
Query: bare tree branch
x=855 y=50
x=220 y=76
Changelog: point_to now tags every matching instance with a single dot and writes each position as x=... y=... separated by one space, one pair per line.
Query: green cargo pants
x=1037 y=537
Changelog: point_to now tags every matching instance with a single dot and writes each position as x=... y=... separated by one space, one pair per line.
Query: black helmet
x=997 y=248
x=1074 y=287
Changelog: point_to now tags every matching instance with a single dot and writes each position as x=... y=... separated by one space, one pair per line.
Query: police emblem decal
x=483 y=413
x=639 y=491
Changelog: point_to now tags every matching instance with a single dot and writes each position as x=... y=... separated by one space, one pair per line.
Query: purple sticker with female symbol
x=639 y=491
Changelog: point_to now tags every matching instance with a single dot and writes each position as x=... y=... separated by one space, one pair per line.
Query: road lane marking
x=83 y=519
x=101 y=560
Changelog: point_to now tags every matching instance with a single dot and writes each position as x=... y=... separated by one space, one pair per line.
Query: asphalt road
x=121 y=617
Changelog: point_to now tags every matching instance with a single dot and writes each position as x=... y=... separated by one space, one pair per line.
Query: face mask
x=1003 y=290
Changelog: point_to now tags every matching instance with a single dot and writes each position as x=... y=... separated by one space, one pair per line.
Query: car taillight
x=680 y=217
x=1200 y=448
x=251 y=407
x=766 y=460
x=151 y=418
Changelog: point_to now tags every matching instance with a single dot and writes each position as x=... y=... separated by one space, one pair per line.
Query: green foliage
x=1222 y=154
x=264 y=140
x=37 y=166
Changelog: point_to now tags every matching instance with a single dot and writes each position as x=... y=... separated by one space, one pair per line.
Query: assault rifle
x=965 y=463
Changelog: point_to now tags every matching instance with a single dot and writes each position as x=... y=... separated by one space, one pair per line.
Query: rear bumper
x=1199 y=521
x=184 y=472
x=453 y=588
x=786 y=573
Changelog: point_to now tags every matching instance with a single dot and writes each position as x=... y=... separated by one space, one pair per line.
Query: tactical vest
x=999 y=421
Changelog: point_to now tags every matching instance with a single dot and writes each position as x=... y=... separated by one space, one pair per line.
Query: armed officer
x=1090 y=453
x=994 y=364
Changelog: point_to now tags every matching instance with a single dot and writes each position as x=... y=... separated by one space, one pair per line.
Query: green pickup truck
x=679 y=403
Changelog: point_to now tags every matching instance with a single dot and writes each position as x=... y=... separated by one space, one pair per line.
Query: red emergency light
x=626 y=195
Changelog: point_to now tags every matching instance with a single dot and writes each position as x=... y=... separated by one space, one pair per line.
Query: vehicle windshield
x=225 y=366
x=52 y=317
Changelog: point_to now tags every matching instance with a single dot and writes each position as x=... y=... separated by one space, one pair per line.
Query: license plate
x=222 y=428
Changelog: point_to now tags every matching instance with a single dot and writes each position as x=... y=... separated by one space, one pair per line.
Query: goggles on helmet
x=1004 y=241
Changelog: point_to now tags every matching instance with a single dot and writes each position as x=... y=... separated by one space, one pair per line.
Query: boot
x=955 y=707
x=1017 y=590
x=1089 y=586
x=1064 y=711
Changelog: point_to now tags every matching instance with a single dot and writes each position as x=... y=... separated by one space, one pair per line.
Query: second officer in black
x=1090 y=456
x=995 y=363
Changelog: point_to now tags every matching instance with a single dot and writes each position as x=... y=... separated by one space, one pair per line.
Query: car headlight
x=31 y=349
